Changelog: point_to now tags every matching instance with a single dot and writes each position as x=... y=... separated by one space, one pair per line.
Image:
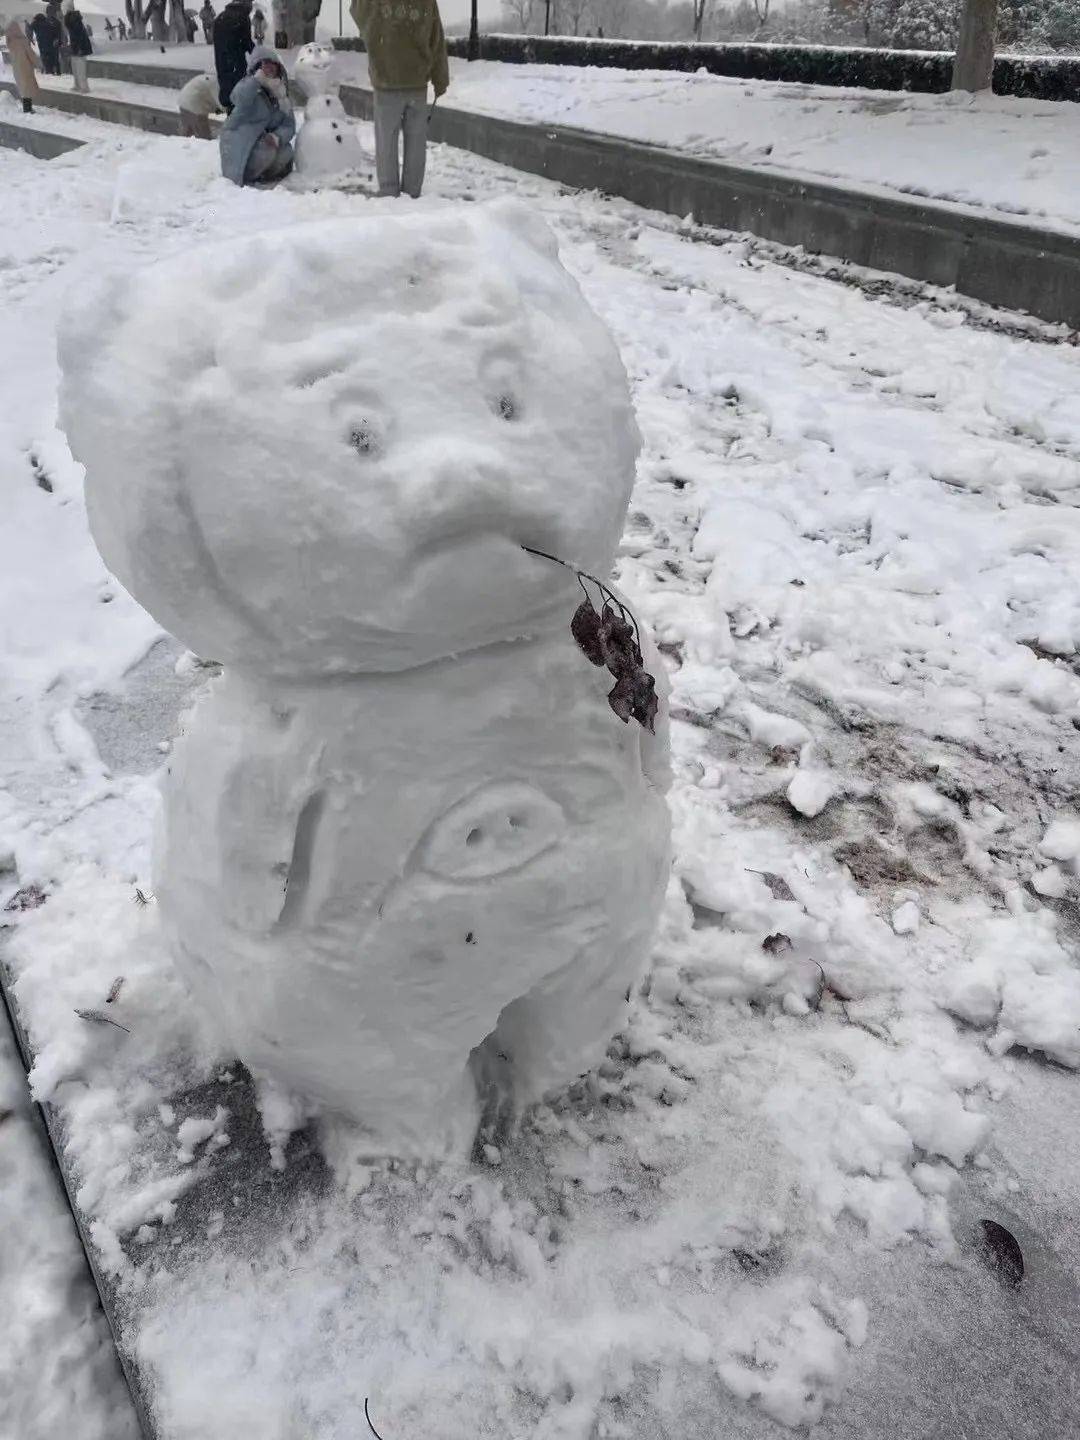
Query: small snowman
x=415 y=837
x=328 y=145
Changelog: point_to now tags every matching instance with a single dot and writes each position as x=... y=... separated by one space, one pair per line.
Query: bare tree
x=518 y=15
x=973 y=68
x=761 y=10
x=295 y=21
x=136 y=18
x=700 y=10
x=178 y=29
x=156 y=22
x=572 y=12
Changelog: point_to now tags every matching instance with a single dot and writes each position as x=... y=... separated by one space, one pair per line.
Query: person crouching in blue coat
x=256 y=143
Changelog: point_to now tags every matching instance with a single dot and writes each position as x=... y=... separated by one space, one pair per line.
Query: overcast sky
x=452 y=10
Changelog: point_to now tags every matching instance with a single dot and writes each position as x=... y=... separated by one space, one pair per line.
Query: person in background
x=198 y=100
x=65 y=43
x=47 y=31
x=406 y=51
x=121 y=29
x=191 y=24
x=24 y=63
x=232 y=45
x=256 y=143
x=258 y=26
x=206 y=16
x=81 y=47
x=109 y=28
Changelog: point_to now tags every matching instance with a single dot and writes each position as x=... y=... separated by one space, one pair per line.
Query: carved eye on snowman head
x=499 y=828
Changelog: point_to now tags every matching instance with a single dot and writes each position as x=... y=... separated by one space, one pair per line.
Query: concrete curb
x=42 y=144
x=1000 y=262
x=116 y=112
x=166 y=77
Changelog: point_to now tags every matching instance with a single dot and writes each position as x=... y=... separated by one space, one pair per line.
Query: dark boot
x=27 y=107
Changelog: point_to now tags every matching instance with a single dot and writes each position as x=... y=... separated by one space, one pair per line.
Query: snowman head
x=324 y=452
x=312 y=68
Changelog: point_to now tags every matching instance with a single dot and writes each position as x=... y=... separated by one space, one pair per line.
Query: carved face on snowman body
x=405 y=839
x=454 y=874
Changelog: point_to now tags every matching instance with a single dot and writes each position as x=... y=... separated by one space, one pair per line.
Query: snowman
x=414 y=838
x=327 y=145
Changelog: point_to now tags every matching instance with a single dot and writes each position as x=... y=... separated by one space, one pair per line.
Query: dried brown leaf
x=585 y=628
x=779 y=889
x=1002 y=1250
x=98 y=1017
x=28 y=898
x=777 y=944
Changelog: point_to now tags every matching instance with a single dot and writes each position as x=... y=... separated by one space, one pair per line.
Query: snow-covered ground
x=856 y=536
x=1017 y=157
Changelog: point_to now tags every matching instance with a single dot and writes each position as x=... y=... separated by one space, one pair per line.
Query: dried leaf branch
x=612 y=638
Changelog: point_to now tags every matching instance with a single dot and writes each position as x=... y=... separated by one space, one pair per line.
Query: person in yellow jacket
x=406 y=52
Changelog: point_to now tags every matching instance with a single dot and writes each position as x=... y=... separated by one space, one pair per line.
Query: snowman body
x=387 y=887
x=407 y=845
x=327 y=145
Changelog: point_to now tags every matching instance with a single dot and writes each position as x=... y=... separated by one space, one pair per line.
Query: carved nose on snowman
x=497 y=829
x=462 y=502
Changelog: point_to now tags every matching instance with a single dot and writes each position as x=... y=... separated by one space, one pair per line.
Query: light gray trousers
x=267 y=161
x=397 y=111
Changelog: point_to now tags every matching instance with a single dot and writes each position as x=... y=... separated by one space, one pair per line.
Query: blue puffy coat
x=255 y=112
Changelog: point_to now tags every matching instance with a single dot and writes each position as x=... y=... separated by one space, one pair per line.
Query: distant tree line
x=1033 y=26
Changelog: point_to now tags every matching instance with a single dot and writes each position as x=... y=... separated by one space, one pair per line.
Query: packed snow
x=366 y=883
x=854 y=534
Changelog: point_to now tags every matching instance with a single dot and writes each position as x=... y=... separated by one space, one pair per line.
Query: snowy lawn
x=1017 y=157
x=1021 y=157
x=855 y=534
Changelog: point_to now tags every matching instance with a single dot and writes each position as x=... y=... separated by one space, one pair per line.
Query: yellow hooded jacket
x=405 y=43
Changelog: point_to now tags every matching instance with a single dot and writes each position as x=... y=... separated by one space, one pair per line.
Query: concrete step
x=166 y=77
x=42 y=144
x=136 y=115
